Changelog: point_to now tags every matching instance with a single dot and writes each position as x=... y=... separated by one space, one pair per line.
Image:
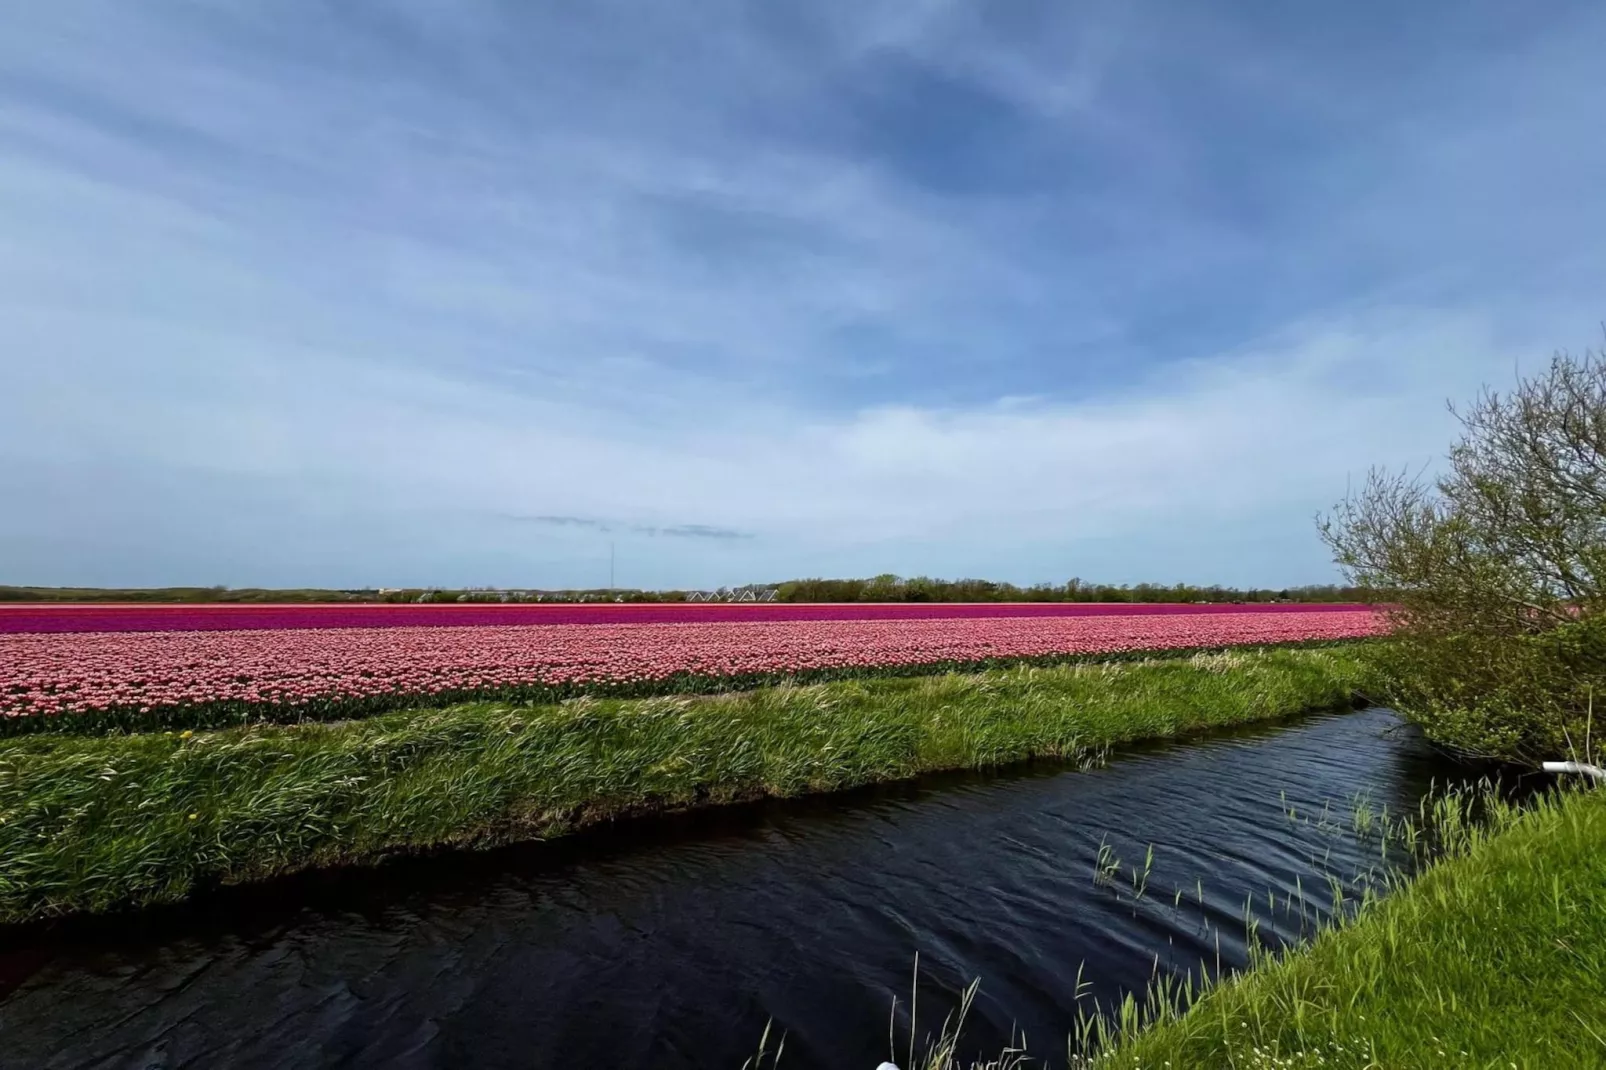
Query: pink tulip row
x=21 y=617
x=46 y=674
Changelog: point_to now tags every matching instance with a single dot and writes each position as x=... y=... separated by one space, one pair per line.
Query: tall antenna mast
x=610 y=565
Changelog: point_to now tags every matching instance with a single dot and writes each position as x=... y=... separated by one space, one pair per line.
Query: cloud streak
x=673 y=531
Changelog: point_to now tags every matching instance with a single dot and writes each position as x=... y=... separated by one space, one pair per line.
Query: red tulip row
x=338 y=672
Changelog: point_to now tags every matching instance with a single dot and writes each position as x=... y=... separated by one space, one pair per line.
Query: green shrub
x=1497 y=568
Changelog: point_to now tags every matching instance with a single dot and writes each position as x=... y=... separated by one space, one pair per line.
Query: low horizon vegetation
x=883 y=588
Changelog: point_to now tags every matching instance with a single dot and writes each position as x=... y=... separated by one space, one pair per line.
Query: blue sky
x=383 y=292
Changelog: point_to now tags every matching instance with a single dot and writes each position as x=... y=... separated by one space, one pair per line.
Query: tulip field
x=137 y=665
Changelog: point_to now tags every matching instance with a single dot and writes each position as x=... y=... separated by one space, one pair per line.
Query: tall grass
x=1494 y=956
x=97 y=823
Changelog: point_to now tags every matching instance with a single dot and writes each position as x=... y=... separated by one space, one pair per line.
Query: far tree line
x=884 y=588
x=889 y=588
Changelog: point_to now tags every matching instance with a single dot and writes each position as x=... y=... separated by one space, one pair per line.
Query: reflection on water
x=670 y=943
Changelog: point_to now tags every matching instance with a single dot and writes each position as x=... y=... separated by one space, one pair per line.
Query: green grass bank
x=1494 y=957
x=96 y=823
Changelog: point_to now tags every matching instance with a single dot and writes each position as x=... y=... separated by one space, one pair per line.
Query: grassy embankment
x=92 y=823
x=1493 y=957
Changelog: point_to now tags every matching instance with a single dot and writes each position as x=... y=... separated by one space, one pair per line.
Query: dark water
x=670 y=943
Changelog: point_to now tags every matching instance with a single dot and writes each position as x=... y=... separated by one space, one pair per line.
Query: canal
x=671 y=942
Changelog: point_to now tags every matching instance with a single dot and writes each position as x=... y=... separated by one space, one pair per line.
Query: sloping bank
x=97 y=823
x=1494 y=957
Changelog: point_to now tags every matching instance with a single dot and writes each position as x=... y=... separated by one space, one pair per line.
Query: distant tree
x=1498 y=568
x=883 y=588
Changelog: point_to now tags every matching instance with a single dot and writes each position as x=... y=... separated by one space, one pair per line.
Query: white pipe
x=1576 y=767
